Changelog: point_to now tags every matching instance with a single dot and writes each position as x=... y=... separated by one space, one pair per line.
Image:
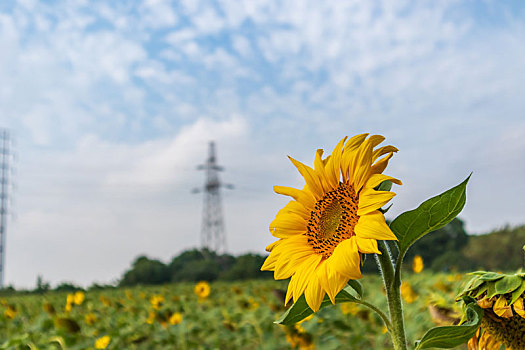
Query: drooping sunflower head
x=501 y=296
x=332 y=220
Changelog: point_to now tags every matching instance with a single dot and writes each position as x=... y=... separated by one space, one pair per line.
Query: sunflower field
x=220 y=315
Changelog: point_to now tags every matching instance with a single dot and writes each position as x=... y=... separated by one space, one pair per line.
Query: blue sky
x=112 y=105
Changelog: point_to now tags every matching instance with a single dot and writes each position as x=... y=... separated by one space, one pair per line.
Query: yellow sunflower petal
x=270 y=247
x=295 y=207
x=294 y=251
x=486 y=303
x=380 y=166
x=303 y=274
x=314 y=294
x=269 y=263
x=373 y=225
x=382 y=151
x=310 y=177
x=354 y=142
x=286 y=225
x=367 y=245
x=501 y=308
x=376 y=140
x=333 y=166
x=349 y=155
x=376 y=179
x=519 y=307
x=363 y=162
x=285 y=266
x=331 y=281
x=289 y=291
x=370 y=200
x=345 y=259
x=303 y=197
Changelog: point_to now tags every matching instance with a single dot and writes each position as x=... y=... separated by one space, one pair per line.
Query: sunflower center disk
x=509 y=331
x=333 y=219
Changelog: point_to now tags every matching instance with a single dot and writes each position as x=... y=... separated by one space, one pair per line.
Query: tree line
x=450 y=248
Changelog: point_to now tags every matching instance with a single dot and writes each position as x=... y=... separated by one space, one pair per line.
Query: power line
x=213 y=235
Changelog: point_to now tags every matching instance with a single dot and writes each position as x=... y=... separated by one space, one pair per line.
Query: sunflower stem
x=392 y=283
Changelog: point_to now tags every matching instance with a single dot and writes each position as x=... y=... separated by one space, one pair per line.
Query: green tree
x=442 y=250
x=146 y=271
x=246 y=266
x=498 y=250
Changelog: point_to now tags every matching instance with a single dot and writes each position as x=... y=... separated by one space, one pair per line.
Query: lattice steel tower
x=213 y=235
x=4 y=189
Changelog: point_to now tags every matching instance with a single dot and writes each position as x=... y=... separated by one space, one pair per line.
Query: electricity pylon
x=213 y=235
x=4 y=193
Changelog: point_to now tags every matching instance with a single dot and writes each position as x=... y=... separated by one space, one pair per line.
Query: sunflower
x=175 y=318
x=78 y=297
x=202 y=289
x=102 y=342
x=502 y=299
x=332 y=220
x=417 y=264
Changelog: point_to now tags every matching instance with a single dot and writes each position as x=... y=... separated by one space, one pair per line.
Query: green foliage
x=451 y=336
x=442 y=250
x=236 y=315
x=41 y=286
x=300 y=309
x=498 y=250
x=145 y=271
x=431 y=215
x=67 y=287
x=246 y=266
x=195 y=265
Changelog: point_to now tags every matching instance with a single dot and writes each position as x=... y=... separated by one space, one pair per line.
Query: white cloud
x=157 y=163
x=158 y=14
x=242 y=45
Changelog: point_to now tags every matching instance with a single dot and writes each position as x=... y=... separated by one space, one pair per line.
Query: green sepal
x=451 y=336
x=431 y=215
x=352 y=292
x=480 y=291
x=491 y=276
x=508 y=284
x=517 y=293
x=491 y=289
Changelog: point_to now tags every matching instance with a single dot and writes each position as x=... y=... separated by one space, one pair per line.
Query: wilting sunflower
x=501 y=297
x=332 y=220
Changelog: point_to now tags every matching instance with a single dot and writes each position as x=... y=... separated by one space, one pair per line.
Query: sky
x=111 y=105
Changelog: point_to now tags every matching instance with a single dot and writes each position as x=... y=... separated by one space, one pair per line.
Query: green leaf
x=491 y=289
x=472 y=285
x=451 y=336
x=508 y=284
x=431 y=215
x=480 y=291
x=491 y=276
x=300 y=310
x=517 y=293
x=384 y=186
x=59 y=340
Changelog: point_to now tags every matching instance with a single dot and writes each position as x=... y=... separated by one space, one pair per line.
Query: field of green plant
x=236 y=315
